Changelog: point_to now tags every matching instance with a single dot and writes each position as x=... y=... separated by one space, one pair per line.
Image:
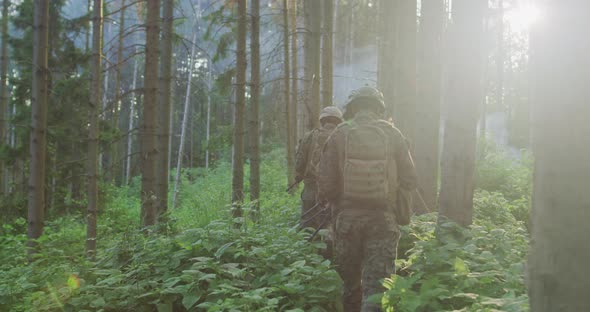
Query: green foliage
x=451 y=268
x=197 y=265
x=499 y=172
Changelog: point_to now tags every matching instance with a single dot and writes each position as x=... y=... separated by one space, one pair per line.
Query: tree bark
x=558 y=259
x=312 y=51
x=130 y=129
x=459 y=149
x=327 y=53
x=93 y=128
x=426 y=144
x=38 y=140
x=287 y=97
x=294 y=73
x=238 y=155
x=316 y=44
x=500 y=59
x=4 y=93
x=117 y=145
x=255 y=105
x=405 y=102
x=387 y=47
x=165 y=107
x=149 y=129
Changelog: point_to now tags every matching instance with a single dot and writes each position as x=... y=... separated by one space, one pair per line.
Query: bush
x=197 y=264
x=480 y=268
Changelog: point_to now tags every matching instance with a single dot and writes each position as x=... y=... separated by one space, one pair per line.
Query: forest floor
x=200 y=262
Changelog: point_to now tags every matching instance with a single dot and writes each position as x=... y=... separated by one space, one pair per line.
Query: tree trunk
x=387 y=47
x=287 y=97
x=312 y=51
x=558 y=260
x=117 y=145
x=459 y=149
x=500 y=59
x=208 y=131
x=38 y=140
x=294 y=73
x=426 y=144
x=4 y=93
x=165 y=107
x=405 y=102
x=255 y=104
x=184 y=125
x=316 y=52
x=93 y=128
x=149 y=129
x=130 y=129
x=327 y=54
x=238 y=156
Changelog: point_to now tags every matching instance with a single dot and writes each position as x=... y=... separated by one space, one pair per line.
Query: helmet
x=366 y=92
x=331 y=111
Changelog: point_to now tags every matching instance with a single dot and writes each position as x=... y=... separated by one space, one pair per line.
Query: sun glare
x=521 y=18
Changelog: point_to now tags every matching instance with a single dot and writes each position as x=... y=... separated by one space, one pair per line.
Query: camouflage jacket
x=330 y=182
x=305 y=152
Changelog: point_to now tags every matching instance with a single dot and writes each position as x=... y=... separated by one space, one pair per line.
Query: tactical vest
x=370 y=171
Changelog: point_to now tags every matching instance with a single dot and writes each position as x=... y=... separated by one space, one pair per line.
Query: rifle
x=324 y=222
x=292 y=186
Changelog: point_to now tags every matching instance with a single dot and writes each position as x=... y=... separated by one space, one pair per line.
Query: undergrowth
x=200 y=262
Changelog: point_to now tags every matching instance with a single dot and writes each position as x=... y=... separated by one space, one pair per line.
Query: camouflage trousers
x=365 y=248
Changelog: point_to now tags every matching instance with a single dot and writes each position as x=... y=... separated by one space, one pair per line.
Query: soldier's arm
x=301 y=157
x=408 y=178
x=330 y=173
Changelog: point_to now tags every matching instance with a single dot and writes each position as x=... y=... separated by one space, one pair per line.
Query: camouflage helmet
x=366 y=92
x=331 y=111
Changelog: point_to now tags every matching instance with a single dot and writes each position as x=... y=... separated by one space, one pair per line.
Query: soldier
x=308 y=157
x=366 y=171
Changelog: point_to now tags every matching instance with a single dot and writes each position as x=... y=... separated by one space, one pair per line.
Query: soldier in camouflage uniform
x=363 y=166
x=307 y=161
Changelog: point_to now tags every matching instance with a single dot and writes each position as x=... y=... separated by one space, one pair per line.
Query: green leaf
x=189 y=299
x=460 y=266
x=164 y=307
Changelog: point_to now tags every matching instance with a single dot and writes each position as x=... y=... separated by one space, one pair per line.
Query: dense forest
x=148 y=152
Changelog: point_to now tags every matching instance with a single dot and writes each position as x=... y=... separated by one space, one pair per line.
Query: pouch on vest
x=368 y=165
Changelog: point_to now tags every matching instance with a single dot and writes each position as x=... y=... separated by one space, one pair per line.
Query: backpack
x=370 y=171
x=319 y=138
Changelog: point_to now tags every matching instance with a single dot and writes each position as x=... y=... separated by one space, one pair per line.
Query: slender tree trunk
x=117 y=145
x=327 y=54
x=130 y=129
x=312 y=49
x=238 y=157
x=149 y=129
x=426 y=144
x=165 y=106
x=459 y=149
x=294 y=72
x=559 y=256
x=387 y=53
x=287 y=97
x=405 y=102
x=4 y=92
x=500 y=59
x=93 y=128
x=316 y=44
x=255 y=104
x=208 y=131
x=104 y=156
x=184 y=125
x=38 y=140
